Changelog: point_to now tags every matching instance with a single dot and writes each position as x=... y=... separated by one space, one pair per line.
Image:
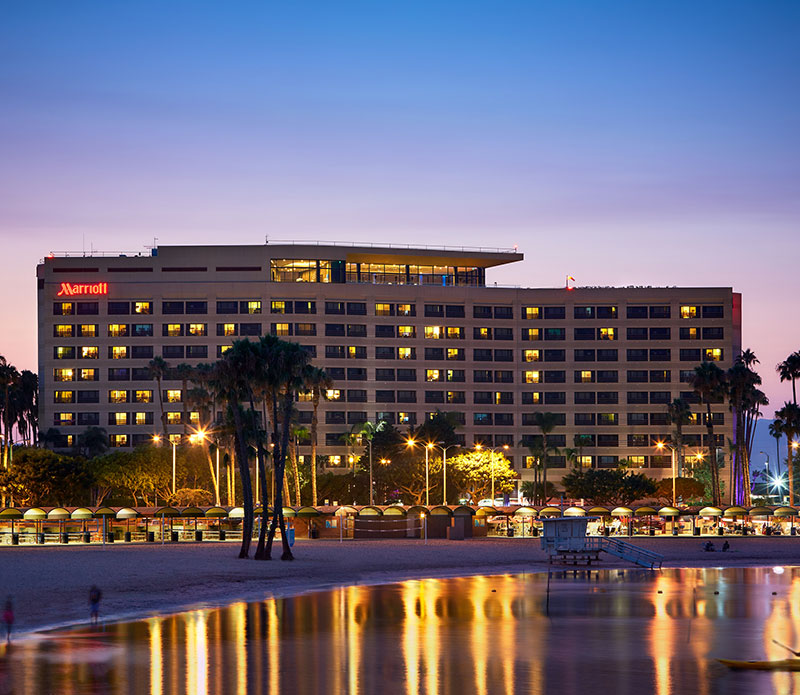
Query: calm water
x=613 y=632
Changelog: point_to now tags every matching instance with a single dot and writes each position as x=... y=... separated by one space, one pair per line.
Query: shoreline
x=50 y=584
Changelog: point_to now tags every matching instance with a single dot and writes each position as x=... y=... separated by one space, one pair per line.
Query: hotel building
x=403 y=332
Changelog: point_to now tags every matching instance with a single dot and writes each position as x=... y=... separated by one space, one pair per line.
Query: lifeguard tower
x=565 y=541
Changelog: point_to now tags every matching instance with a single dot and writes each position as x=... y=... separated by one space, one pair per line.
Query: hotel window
x=197 y=329
x=334 y=352
x=479 y=355
x=661 y=355
x=143 y=308
x=118 y=440
x=503 y=376
x=334 y=307
x=227 y=307
x=433 y=375
x=357 y=352
x=87 y=308
x=119 y=308
x=88 y=330
x=281 y=329
x=584 y=461
x=455 y=397
x=406 y=418
x=335 y=461
x=384 y=310
x=117 y=330
x=606 y=334
x=607 y=419
x=455 y=375
x=90 y=353
x=172 y=352
x=333 y=394
x=433 y=332
x=531 y=356
x=712 y=354
x=554 y=312
x=172 y=330
x=88 y=375
x=584 y=419
x=62 y=330
x=584 y=377
x=65 y=419
x=142 y=330
x=504 y=334
x=63 y=309
x=305 y=329
x=384 y=352
x=252 y=306
x=173 y=395
x=607 y=376
x=713 y=312
x=584 y=334
x=225 y=329
x=406 y=353
x=660 y=376
x=356 y=308
x=659 y=312
x=434 y=310
x=143 y=396
x=606 y=312
x=532 y=398
x=406 y=310
x=531 y=312
x=117 y=352
x=118 y=419
x=222 y=349
x=531 y=377
x=63 y=375
x=583 y=312
x=300 y=270
x=174 y=439
x=249 y=329
x=454 y=354
x=637 y=461
x=356 y=330
x=455 y=333
x=637 y=334
x=384 y=331
x=713 y=333
x=454 y=311
x=194 y=418
x=63 y=353
x=63 y=397
x=688 y=312
x=281 y=307
x=116 y=396
x=584 y=398
x=174 y=418
x=197 y=307
x=659 y=334
x=406 y=374
x=689 y=334
x=384 y=374
x=304 y=307
x=554 y=334
x=142 y=418
x=637 y=312
x=481 y=333
x=119 y=374
x=531 y=334
x=406 y=332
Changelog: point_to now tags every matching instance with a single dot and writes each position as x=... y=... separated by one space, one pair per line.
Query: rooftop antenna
x=266 y=239
x=83 y=242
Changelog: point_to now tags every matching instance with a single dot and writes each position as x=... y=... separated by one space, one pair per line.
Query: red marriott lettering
x=70 y=289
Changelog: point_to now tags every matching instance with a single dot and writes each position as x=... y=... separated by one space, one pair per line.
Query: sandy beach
x=50 y=584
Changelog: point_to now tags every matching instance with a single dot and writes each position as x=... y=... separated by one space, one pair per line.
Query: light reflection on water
x=611 y=631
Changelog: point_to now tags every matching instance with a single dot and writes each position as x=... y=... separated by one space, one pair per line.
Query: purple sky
x=620 y=142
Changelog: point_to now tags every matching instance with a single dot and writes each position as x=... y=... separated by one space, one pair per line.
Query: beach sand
x=50 y=584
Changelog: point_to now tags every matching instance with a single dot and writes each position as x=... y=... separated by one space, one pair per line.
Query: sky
x=623 y=143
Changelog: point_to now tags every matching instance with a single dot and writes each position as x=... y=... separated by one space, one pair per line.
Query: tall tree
x=708 y=383
x=546 y=422
x=9 y=378
x=318 y=383
x=787 y=419
x=775 y=431
x=158 y=368
x=789 y=370
x=679 y=413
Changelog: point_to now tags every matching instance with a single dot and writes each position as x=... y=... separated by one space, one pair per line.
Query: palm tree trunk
x=161 y=407
x=296 y=470
x=314 y=451
x=244 y=474
x=712 y=458
x=790 y=467
x=544 y=468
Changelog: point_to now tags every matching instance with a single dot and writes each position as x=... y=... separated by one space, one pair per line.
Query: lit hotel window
x=173 y=395
x=281 y=329
x=278 y=307
x=455 y=353
x=224 y=348
x=535 y=397
x=607 y=334
x=530 y=356
x=584 y=461
x=87 y=375
x=197 y=329
x=117 y=396
x=228 y=329
x=120 y=418
x=90 y=353
x=587 y=377
x=383 y=310
x=117 y=330
x=142 y=308
x=529 y=377
x=406 y=332
x=403 y=418
x=62 y=330
x=433 y=375
x=635 y=461
x=253 y=307
x=688 y=312
x=405 y=309
x=455 y=333
x=64 y=353
x=88 y=330
x=433 y=332
x=334 y=461
x=405 y=353
x=482 y=333
x=140 y=418
x=531 y=334
x=333 y=394
x=63 y=396
x=66 y=418
x=305 y=396
x=63 y=375
x=174 y=330
x=118 y=440
x=67 y=309
x=119 y=353
x=143 y=396
x=531 y=312
x=174 y=418
x=174 y=439
x=194 y=418
x=713 y=354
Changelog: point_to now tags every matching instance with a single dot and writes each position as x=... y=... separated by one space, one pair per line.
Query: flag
x=569 y=277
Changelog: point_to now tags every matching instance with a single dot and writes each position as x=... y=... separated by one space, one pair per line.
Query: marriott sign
x=71 y=289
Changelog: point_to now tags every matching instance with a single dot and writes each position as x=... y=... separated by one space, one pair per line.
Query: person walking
x=8 y=618
x=94 y=603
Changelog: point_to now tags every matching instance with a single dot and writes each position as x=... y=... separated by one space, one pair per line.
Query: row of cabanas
x=37 y=514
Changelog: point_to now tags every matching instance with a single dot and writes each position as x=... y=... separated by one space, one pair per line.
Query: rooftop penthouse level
x=373 y=264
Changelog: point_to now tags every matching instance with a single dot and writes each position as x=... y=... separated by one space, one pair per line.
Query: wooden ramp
x=625 y=551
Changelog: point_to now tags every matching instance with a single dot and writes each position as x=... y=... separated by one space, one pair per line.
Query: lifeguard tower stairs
x=565 y=541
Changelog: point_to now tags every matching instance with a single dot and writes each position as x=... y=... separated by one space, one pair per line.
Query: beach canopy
x=394 y=510
x=598 y=511
x=236 y=513
x=417 y=510
x=645 y=511
x=216 y=512
x=710 y=511
x=344 y=510
x=785 y=511
x=58 y=514
x=82 y=513
x=370 y=511
x=735 y=511
x=574 y=511
x=486 y=511
x=306 y=512
x=463 y=510
x=549 y=511
x=525 y=511
x=760 y=511
x=127 y=513
x=34 y=514
x=669 y=511
x=622 y=511
x=104 y=511
x=192 y=512
x=167 y=511
x=11 y=513
x=442 y=511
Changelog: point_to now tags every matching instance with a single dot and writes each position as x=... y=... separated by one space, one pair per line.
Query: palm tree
x=546 y=422
x=679 y=413
x=708 y=382
x=185 y=372
x=368 y=430
x=775 y=431
x=9 y=377
x=787 y=419
x=159 y=368
x=789 y=370
x=299 y=433
x=318 y=382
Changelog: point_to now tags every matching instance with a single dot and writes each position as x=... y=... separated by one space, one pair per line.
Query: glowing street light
x=660 y=446
x=479 y=446
x=157 y=439
x=428 y=447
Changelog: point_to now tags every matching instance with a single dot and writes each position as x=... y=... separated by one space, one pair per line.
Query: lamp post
x=157 y=439
x=478 y=447
x=428 y=447
x=443 y=449
x=660 y=446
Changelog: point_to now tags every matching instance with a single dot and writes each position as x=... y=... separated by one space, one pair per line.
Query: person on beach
x=94 y=603
x=8 y=618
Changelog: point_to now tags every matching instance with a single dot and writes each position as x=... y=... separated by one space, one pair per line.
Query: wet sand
x=50 y=584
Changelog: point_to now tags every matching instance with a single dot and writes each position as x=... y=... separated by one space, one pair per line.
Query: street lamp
x=660 y=446
x=428 y=447
x=200 y=436
x=480 y=446
x=157 y=439
x=443 y=449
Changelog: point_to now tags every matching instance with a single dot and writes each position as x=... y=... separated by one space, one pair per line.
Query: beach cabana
x=760 y=511
x=34 y=514
x=236 y=513
x=598 y=511
x=549 y=512
x=395 y=511
x=733 y=512
x=11 y=514
x=216 y=513
x=82 y=514
x=710 y=512
x=784 y=511
x=57 y=514
x=441 y=511
x=645 y=511
x=167 y=513
x=194 y=513
x=463 y=510
x=486 y=511
x=307 y=512
x=127 y=513
x=370 y=511
x=669 y=512
x=526 y=511
x=347 y=510
x=574 y=511
x=622 y=512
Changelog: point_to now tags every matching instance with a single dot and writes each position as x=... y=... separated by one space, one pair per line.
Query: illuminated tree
x=471 y=473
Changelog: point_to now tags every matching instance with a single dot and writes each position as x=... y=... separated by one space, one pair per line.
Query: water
x=614 y=631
